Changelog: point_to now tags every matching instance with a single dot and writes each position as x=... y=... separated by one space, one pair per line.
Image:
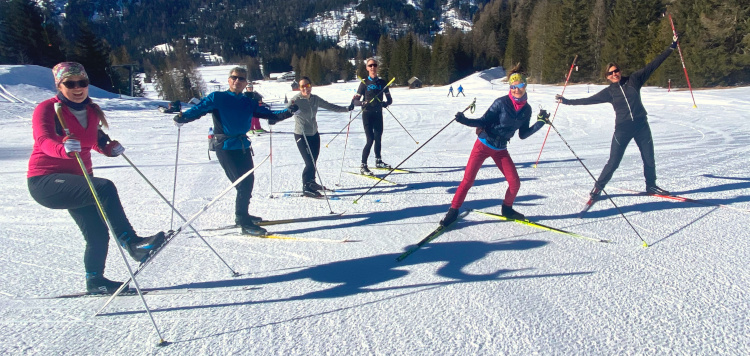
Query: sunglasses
x=234 y=77
x=72 y=84
x=613 y=72
x=518 y=86
x=372 y=65
x=306 y=86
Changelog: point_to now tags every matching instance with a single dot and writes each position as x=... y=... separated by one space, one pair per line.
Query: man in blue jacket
x=631 y=121
x=232 y=115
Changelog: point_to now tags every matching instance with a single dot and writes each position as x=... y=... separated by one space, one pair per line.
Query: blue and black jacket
x=501 y=121
x=232 y=115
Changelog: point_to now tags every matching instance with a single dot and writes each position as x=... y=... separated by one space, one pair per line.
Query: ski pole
x=363 y=109
x=595 y=182
x=674 y=32
x=402 y=126
x=58 y=111
x=471 y=107
x=174 y=184
x=270 y=154
x=556 y=107
x=343 y=156
x=315 y=167
x=174 y=210
x=171 y=236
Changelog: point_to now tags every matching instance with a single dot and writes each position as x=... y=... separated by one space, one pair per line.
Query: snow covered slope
x=486 y=287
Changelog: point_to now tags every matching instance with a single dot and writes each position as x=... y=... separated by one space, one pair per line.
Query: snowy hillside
x=485 y=287
x=338 y=24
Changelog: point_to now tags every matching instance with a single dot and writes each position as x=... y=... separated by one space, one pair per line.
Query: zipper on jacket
x=626 y=102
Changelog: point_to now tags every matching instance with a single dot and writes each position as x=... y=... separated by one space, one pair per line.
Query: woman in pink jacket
x=56 y=181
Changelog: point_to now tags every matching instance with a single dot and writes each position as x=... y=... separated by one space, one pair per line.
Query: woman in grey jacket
x=306 y=133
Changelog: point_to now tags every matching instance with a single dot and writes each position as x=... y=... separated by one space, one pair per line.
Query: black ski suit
x=631 y=120
x=372 y=117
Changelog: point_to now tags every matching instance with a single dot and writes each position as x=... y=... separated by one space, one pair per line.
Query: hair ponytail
x=100 y=114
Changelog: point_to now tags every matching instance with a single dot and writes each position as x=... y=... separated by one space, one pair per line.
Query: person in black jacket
x=631 y=121
x=508 y=114
x=372 y=115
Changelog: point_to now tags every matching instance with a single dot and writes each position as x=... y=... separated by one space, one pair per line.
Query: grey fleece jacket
x=305 y=122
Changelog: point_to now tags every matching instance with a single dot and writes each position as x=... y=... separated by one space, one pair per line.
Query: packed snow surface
x=485 y=287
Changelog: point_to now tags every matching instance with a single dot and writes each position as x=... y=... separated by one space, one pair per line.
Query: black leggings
x=373 y=122
x=620 y=140
x=72 y=192
x=236 y=163
x=308 y=174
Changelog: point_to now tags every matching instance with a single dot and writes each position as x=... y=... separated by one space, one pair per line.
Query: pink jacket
x=48 y=155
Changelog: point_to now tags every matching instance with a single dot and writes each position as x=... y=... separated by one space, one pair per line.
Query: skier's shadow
x=355 y=276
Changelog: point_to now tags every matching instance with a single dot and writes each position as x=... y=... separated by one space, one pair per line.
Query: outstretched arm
x=641 y=76
x=601 y=97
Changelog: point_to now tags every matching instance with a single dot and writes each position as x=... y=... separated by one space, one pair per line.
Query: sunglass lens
x=72 y=84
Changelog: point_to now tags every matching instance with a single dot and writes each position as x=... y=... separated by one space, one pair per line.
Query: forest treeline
x=543 y=35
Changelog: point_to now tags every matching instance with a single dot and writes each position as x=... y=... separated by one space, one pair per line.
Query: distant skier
x=496 y=127
x=461 y=90
x=372 y=114
x=450 y=92
x=56 y=181
x=631 y=121
x=232 y=113
x=306 y=132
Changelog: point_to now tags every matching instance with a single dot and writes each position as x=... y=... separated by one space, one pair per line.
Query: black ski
x=431 y=236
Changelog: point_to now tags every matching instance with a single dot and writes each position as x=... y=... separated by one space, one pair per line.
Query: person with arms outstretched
x=631 y=120
x=232 y=116
x=506 y=115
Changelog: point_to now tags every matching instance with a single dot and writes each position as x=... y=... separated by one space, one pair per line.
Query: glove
x=460 y=117
x=178 y=120
x=385 y=104
x=72 y=145
x=113 y=149
x=674 y=41
x=292 y=108
x=560 y=98
x=543 y=117
x=351 y=106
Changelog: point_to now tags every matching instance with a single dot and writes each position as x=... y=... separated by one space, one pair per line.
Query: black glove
x=292 y=108
x=351 y=106
x=543 y=117
x=460 y=117
x=385 y=104
x=273 y=121
x=178 y=120
x=560 y=98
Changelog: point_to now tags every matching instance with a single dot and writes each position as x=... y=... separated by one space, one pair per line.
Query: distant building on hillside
x=414 y=83
x=283 y=77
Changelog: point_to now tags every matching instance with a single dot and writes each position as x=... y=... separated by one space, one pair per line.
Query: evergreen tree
x=94 y=54
x=627 y=38
x=27 y=34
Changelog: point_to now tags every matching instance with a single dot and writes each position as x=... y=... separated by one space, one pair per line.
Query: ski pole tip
x=645 y=245
x=695 y=107
x=355 y=202
x=163 y=343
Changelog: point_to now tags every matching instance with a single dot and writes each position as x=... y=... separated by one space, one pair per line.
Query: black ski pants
x=235 y=164
x=373 y=123
x=620 y=140
x=308 y=174
x=72 y=192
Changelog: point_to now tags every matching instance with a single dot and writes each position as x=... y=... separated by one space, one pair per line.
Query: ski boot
x=309 y=191
x=365 y=171
x=239 y=220
x=97 y=284
x=653 y=189
x=595 y=193
x=250 y=228
x=316 y=186
x=139 y=248
x=380 y=164
x=449 y=218
x=508 y=212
